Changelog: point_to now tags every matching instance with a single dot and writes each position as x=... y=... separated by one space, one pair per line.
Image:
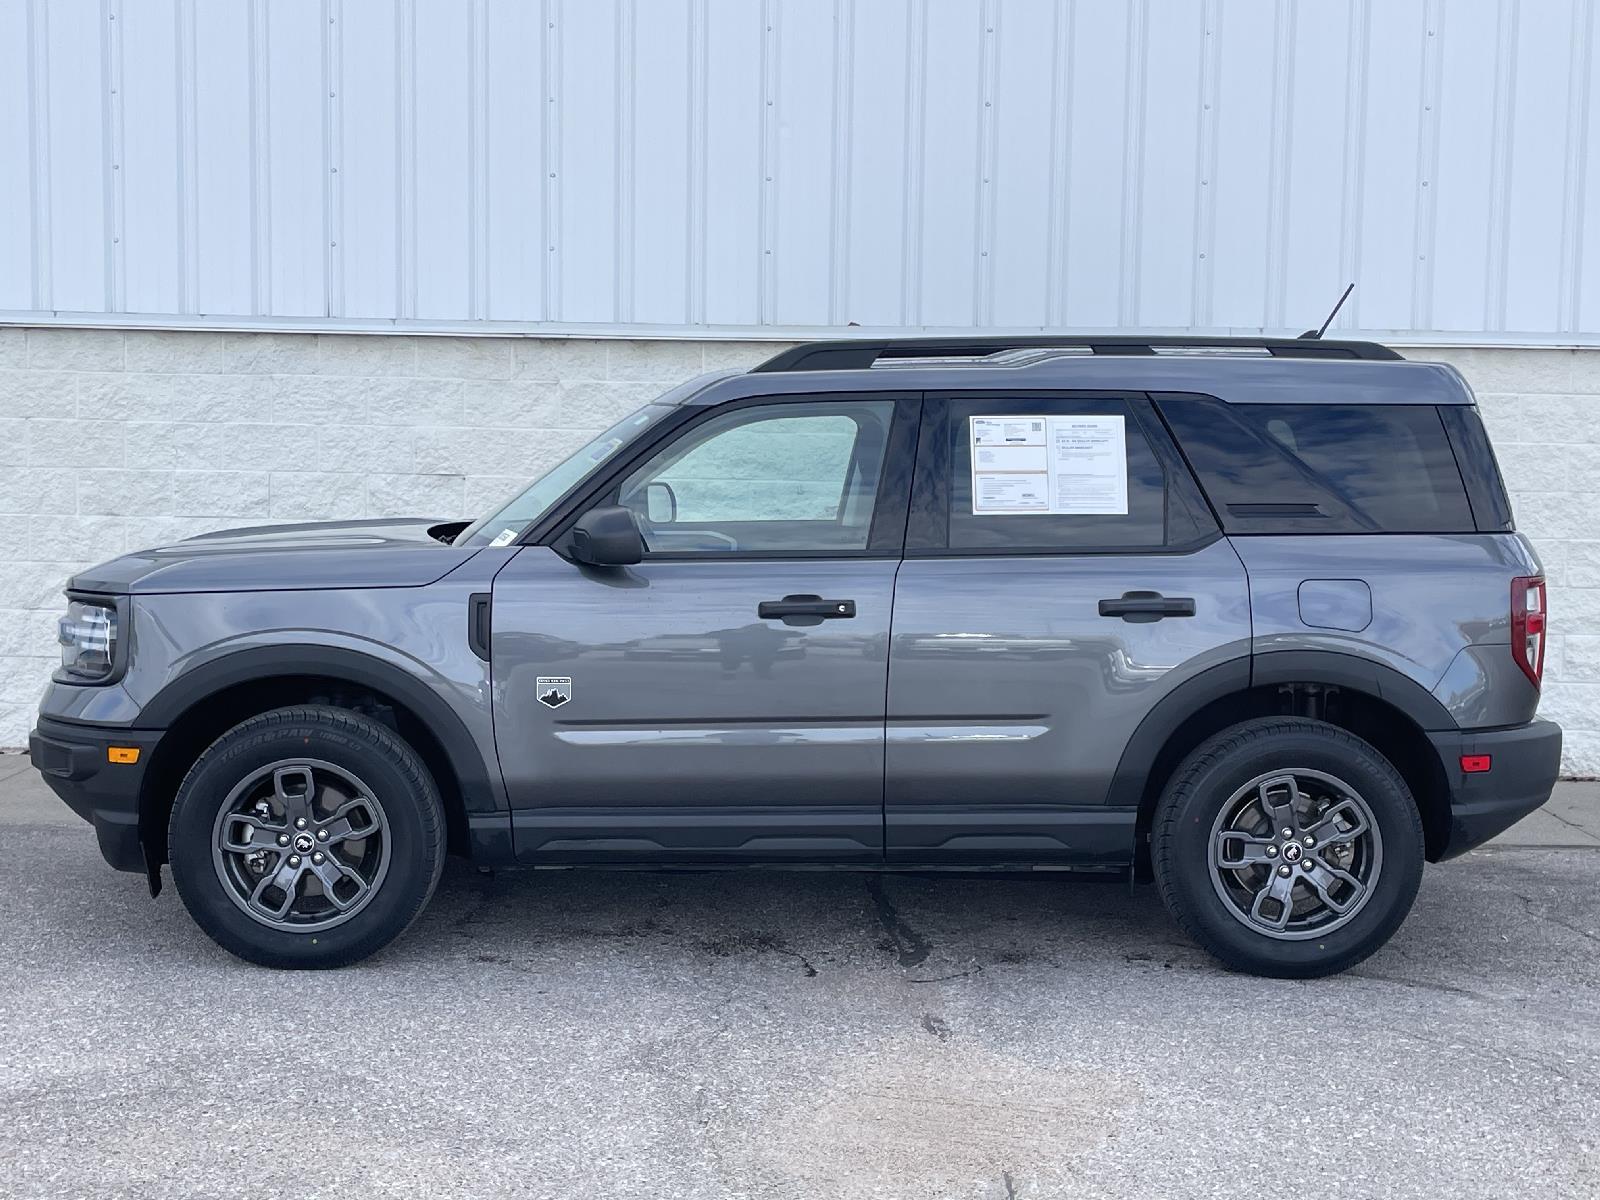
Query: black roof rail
x=851 y=354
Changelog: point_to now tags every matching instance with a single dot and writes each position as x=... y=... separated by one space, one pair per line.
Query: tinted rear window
x=1323 y=468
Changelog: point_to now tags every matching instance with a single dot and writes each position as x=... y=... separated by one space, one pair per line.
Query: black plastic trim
x=1241 y=674
x=71 y=759
x=858 y=353
x=1351 y=671
x=1095 y=836
x=1164 y=719
x=266 y=662
x=1524 y=763
x=658 y=835
x=479 y=628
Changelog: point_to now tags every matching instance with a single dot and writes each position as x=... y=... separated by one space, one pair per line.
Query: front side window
x=768 y=479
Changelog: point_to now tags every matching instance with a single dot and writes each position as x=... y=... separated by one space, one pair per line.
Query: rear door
x=1062 y=574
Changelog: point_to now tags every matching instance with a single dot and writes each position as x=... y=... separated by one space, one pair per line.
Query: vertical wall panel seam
x=984 y=235
x=840 y=158
x=767 y=216
x=39 y=153
x=1280 y=165
x=112 y=143
x=332 y=147
x=1422 y=258
x=1579 y=84
x=1060 y=198
x=623 y=160
x=699 y=160
x=405 y=157
x=1500 y=165
x=260 y=159
x=551 y=103
x=916 y=152
x=477 y=161
x=1352 y=204
x=188 y=160
x=1133 y=125
x=1205 y=211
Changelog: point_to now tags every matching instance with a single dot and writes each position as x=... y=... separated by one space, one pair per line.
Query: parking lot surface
x=797 y=1034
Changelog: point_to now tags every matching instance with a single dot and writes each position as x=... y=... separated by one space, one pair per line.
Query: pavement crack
x=1535 y=909
x=938 y=1026
x=1567 y=823
x=1011 y=1187
x=910 y=946
x=976 y=969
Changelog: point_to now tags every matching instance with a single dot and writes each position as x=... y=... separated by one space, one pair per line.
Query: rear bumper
x=72 y=759
x=1524 y=763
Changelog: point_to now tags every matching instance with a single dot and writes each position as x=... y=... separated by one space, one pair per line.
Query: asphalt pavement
x=806 y=1034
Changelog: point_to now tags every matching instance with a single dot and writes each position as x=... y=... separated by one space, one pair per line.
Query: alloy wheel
x=301 y=845
x=1295 y=854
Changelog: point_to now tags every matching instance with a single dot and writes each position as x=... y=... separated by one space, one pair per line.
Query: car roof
x=1237 y=371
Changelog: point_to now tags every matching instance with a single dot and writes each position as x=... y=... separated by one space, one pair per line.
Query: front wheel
x=306 y=837
x=1288 y=847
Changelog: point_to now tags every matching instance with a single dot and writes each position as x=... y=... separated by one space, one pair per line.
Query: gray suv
x=1245 y=616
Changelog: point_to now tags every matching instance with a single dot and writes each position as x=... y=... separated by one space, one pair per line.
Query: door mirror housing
x=608 y=537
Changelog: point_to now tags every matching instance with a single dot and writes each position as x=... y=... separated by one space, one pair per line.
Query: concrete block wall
x=113 y=440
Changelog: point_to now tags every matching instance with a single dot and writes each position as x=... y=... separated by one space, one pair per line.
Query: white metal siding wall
x=650 y=165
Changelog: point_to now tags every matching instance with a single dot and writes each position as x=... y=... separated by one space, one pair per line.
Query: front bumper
x=73 y=761
x=1524 y=763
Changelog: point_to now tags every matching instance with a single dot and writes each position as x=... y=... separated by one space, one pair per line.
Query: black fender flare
x=1348 y=671
x=260 y=663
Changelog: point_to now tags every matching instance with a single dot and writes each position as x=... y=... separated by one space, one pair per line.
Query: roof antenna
x=1316 y=334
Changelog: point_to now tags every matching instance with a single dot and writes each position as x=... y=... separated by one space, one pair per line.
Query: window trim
x=886 y=532
x=928 y=524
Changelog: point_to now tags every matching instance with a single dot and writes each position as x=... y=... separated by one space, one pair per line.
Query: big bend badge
x=553 y=690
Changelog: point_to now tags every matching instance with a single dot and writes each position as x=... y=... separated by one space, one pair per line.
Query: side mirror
x=608 y=537
x=660 y=502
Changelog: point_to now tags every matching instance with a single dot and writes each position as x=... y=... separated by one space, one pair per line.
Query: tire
x=1215 y=850
x=355 y=874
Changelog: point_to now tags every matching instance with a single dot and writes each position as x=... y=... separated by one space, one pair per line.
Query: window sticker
x=1073 y=465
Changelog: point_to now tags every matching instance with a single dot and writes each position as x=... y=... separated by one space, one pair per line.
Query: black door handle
x=1139 y=607
x=809 y=608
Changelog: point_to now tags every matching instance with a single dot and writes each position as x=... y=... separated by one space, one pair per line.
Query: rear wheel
x=1288 y=847
x=306 y=837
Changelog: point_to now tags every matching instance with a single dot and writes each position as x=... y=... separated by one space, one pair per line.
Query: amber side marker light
x=122 y=754
x=1475 y=764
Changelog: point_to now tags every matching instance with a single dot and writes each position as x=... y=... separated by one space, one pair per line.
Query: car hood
x=395 y=552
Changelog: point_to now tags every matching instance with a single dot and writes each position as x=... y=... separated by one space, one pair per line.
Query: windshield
x=502 y=526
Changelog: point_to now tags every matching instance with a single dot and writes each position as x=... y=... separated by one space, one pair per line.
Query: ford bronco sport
x=1247 y=616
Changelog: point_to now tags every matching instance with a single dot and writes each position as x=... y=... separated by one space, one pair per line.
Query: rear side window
x=1322 y=468
x=1050 y=474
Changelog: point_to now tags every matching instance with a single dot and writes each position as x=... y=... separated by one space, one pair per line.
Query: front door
x=724 y=699
x=1062 y=574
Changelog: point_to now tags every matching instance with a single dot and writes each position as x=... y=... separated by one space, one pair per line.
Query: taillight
x=1528 y=614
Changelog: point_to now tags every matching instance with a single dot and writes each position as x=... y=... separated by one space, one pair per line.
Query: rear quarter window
x=1322 y=468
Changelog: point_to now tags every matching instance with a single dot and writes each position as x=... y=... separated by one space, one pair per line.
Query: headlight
x=88 y=637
